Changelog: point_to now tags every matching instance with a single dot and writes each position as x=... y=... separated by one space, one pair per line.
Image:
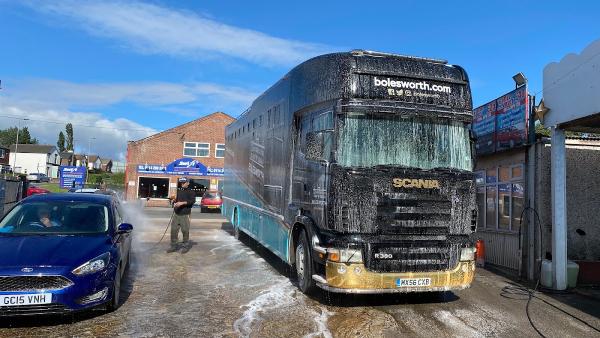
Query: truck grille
x=418 y=256
x=413 y=213
x=33 y=283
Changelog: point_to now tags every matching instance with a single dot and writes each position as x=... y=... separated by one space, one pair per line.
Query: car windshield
x=56 y=217
x=417 y=142
x=211 y=195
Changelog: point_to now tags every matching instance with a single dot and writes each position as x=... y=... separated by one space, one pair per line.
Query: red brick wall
x=4 y=160
x=165 y=147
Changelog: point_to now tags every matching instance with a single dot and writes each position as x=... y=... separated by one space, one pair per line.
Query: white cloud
x=64 y=94
x=150 y=28
x=103 y=136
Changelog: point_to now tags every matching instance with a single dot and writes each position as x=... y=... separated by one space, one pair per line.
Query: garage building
x=195 y=150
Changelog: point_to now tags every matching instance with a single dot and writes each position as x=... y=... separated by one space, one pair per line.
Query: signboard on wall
x=71 y=176
x=502 y=124
x=181 y=167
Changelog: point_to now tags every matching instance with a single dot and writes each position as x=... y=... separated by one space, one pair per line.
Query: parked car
x=38 y=177
x=211 y=200
x=34 y=189
x=61 y=253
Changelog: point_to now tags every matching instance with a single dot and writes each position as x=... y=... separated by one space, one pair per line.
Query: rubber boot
x=173 y=248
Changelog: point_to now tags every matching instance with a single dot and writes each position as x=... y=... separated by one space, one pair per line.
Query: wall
x=583 y=198
x=167 y=146
x=33 y=163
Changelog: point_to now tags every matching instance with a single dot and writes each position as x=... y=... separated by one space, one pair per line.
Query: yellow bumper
x=354 y=278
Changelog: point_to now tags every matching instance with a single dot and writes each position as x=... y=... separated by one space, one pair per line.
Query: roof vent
x=362 y=52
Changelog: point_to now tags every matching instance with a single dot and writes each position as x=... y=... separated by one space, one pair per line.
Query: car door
x=124 y=242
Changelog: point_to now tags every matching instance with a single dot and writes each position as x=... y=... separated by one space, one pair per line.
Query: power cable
x=518 y=290
x=77 y=125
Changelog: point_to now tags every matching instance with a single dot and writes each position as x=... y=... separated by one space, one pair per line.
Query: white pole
x=16 y=148
x=559 y=210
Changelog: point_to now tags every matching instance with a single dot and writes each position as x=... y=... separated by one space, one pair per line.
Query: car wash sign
x=502 y=124
x=182 y=167
x=71 y=177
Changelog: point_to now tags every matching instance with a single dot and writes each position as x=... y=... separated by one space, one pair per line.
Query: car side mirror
x=124 y=228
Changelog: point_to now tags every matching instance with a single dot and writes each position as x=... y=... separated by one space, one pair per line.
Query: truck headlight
x=345 y=255
x=93 y=265
x=467 y=254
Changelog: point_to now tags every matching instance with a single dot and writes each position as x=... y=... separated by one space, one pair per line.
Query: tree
x=69 y=130
x=61 y=142
x=9 y=136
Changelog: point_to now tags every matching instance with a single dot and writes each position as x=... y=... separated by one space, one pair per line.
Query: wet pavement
x=227 y=288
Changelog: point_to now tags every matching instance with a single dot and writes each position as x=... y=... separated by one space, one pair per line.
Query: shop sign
x=71 y=176
x=502 y=124
x=182 y=167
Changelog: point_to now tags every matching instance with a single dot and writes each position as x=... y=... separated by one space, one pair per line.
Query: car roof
x=70 y=197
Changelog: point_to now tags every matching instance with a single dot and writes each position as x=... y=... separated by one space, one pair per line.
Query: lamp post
x=17 y=144
x=87 y=164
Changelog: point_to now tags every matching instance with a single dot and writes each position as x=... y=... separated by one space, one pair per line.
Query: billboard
x=502 y=124
x=72 y=177
x=182 y=167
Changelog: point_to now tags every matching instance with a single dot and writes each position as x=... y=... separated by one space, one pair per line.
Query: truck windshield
x=417 y=142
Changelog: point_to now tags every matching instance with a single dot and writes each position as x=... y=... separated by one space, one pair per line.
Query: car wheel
x=114 y=302
x=304 y=265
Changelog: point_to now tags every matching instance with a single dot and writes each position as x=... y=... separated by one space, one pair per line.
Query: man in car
x=44 y=215
x=182 y=208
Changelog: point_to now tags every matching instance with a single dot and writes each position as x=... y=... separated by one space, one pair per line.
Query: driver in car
x=44 y=216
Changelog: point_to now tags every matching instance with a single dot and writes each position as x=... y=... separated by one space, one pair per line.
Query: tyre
x=113 y=304
x=304 y=264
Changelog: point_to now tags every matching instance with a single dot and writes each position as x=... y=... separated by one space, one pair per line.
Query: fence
x=11 y=192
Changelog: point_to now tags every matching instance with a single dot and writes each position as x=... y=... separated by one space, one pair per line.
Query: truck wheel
x=304 y=265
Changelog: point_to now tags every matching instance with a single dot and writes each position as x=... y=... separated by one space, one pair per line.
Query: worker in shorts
x=182 y=208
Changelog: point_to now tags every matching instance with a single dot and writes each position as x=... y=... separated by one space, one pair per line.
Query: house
x=94 y=162
x=106 y=165
x=67 y=158
x=79 y=160
x=4 y=155
x=35 y=158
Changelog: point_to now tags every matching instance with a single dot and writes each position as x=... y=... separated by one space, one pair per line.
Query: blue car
x=61 y=253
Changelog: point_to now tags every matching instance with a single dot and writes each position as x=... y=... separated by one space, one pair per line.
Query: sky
x=123 y=70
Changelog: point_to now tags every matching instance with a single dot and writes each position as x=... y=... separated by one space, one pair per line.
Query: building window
x=2 y=153
x=220 y=150
x=500 y=198
x=196 y=149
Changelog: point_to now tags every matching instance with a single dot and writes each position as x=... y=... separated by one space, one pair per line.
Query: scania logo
x=415 y=183
x=27 y=269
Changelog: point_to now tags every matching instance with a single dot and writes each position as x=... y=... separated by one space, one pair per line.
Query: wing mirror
x=124 y=228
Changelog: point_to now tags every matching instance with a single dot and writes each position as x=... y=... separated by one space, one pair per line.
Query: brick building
x=195 y=150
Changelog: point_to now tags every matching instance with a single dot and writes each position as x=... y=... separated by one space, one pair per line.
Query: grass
x=53 y=187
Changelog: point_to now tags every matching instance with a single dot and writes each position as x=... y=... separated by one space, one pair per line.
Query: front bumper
x=357 y=279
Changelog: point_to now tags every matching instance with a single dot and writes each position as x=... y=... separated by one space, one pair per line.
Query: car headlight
x=93 y=265
x=345 y=255
x=467 y=254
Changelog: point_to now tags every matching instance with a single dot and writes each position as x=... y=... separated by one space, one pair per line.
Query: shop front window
x=500 y=197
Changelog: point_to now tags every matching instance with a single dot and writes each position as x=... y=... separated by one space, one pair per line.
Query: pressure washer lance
x=164 y=233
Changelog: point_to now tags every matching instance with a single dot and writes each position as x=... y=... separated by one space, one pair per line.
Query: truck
x=356 y=169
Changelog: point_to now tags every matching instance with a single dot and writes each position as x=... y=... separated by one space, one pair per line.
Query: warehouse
x=195 y=149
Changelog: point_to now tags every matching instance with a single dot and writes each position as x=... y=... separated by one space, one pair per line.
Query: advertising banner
x=181 y=167
x=502 y=124
x=71 y=176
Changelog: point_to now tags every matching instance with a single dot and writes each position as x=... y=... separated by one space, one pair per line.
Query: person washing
x=182 y=208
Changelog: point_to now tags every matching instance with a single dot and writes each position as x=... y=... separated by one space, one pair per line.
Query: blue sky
x=134 y=68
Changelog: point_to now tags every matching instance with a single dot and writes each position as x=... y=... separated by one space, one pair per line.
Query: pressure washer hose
x=167 y=228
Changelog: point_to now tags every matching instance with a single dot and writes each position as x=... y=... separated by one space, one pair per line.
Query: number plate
x=25 y=299
x=213 y=206
x=412 y=282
